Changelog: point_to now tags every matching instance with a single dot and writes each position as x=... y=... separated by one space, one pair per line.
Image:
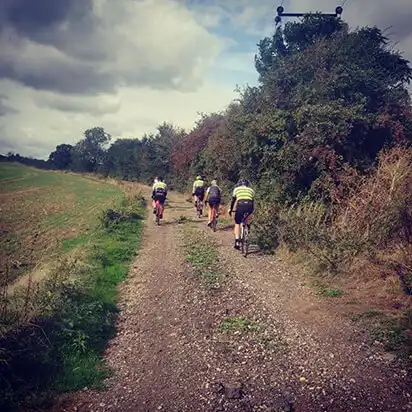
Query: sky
x=129 y=65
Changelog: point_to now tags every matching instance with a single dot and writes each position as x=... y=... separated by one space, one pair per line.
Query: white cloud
x=149 y=61
x=152 y=42
x=42 y=122
x=101 y=105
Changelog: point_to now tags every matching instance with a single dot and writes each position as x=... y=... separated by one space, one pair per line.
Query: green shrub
x=266 y=225
x=127 y=212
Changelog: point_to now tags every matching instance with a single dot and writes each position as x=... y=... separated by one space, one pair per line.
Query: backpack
x=214 y=192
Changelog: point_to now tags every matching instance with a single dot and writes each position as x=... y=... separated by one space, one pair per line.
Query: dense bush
x=111 y=218
x=375 y=221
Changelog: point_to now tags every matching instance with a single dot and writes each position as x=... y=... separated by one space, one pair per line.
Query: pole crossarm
x=280 y=13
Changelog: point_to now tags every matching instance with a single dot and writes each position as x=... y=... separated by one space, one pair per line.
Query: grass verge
x=203 y=256
x=392 y=333
x=52 y=334
x=45 y=214
x=322 y=290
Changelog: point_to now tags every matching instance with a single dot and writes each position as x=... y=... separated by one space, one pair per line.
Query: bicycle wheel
x=242 y=239
x=245 y=247
x=214 y=220
x=158 y=213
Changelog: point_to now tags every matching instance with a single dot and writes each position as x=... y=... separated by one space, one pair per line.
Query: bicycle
x=158 y=212
x=244 y=234
x=199 y=208
x=213 y=223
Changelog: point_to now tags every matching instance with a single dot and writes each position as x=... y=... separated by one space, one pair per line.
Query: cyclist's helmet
x=243 y=182
x=160 y=178
x=213 y=182
x=199 y=177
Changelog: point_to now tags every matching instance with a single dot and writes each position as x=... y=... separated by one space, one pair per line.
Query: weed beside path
x=203 y=257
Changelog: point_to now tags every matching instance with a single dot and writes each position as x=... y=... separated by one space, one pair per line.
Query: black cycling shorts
x=243 y=206
x=214 y=201
x=160 y=197
x=200 y=193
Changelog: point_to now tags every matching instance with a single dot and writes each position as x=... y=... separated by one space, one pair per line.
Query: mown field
x=44 y=214
x=66 y=242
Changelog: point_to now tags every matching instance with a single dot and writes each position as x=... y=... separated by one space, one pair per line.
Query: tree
x=61 y=158
x=339 y=98
x=222 y=155
x=186 y=153
x=122 y=159
x=88 y=153
x=163 y=143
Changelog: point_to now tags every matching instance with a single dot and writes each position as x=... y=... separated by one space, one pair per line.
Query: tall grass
x=52 y=334
x=374 y=222
x=311 y=227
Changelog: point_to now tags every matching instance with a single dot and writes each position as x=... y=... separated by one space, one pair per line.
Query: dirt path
x=170 y=355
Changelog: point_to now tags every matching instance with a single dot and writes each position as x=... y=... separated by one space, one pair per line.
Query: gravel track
x=170 y=354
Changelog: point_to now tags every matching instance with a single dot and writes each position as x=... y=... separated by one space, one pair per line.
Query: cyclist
x=156 y=179
x=213 y=196
x=198 y=192
x=159 y=193
x=243 y=195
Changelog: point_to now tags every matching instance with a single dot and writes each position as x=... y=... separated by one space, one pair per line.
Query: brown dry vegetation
x=360 y=248
x=380 y=216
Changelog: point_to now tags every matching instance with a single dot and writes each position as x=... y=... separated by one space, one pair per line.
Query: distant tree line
x=29 y=161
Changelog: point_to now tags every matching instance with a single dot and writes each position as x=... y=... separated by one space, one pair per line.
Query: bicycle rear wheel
x=214 y=224
x=214 y=221
x=242 y=239
x=245 y=243
x=158 y=212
